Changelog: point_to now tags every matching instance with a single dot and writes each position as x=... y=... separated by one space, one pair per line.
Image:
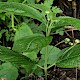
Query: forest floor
x=59 y=74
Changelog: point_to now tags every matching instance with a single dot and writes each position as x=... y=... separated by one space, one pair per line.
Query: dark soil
x=58 y=74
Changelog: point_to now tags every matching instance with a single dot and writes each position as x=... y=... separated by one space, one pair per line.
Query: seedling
x=28 y=43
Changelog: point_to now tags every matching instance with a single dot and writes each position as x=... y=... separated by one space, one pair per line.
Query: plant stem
x=24 y=1
x=49 y=28
x=45 y=70
x=12 y=18
x=40 y=66
x=16 y=19
x=45 y=64
x=50 y=66
x=59 y=43
x=76 y=74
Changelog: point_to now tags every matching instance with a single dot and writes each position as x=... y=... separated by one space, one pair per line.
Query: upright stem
x=12 y=19
x=49 y=28
x=45 y=64
x=45 y=74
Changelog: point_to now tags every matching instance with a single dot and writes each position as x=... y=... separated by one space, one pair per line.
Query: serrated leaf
x=71 y=59
x=22 y=31
x=52 y=52
x=13 y=57
x=41 y=7
x=31 y=43
x=48 y=3
x=71 y=21
x=56 y=10
x=7 y=71
x=20 y=9
x=60 y=31
x=58 y=25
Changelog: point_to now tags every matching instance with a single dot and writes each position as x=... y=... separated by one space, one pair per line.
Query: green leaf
x=58 y=26
x=71 y=21
x=8 y=71
x=31 y=1
x=29 y=68
x=22 y=31
x=41 y=7
x=13 y=57
x=52 y=52
x=32 y=55
x=2 y=16
x=20 y=9
x=71 y=59
x=31 y=43
x=56 y=10
x=34 y=27
x=48 y=3
x=60 y=31
x=38 y=71
x=13 y=0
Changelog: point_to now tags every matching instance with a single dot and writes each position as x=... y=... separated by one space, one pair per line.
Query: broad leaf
x=32 y=55
x=31 y=43
x=71 y=59
x=13 y=57
x=61 y=22
x=20 y=9
x=22 y=31
x=71 y=21
x=32 y=68
x=8 y=71
x=52 y=53
x=41 y=7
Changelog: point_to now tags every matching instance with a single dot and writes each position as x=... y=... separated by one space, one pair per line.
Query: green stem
x=24 y=1
x=49 y=28
x=59 y=43
x=16 y=19
x=45 y=70
x=45 y=64
x=50 y=66
x=12 y=19
x=40 y=66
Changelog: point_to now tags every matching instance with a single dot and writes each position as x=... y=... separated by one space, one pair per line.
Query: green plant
x=28 y=44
